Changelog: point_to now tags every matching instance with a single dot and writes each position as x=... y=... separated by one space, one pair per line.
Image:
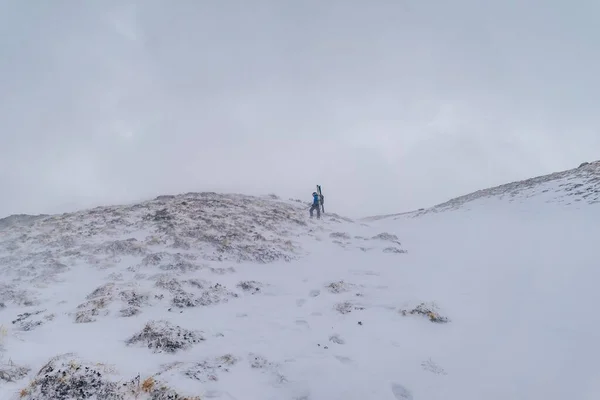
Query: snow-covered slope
x=224 y=296
x=572 y=187
x=239 y=297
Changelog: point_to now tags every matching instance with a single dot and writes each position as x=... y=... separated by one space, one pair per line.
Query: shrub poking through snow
x=209 y=294
x=250 y=286
x=339 y=235
x=11 y=372
x=340 y=287
x=215 y=294
x=103 y=296
x=204 y=371
x=105 y=290
x=150 y=389
x=133 y=298
x=91 y=309
x=134 y=301
x=129 y=312
x=168 y=283
x=65 y=378
x=388 y=237
x=428 y=310
x=19 y=297
x=128 y=247
x=347 y=307
x=257 y=361
x=172 y=262
x=394 y=250
x=22 y=321
x=212 y=368
x=162 y=336
x=96 y=305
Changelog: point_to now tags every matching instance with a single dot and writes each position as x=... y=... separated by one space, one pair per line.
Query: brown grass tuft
x=148 y=384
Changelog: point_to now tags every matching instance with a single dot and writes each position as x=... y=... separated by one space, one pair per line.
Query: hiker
x=315 y=205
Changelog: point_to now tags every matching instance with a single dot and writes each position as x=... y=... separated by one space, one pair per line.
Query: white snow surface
x=239 y=297
x=572 y=188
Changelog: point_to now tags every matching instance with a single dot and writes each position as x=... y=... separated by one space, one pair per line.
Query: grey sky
x=389 y=105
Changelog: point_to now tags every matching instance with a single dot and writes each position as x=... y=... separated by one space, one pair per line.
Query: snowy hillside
x=236 y=297
x=202 y=293
x=571 y=187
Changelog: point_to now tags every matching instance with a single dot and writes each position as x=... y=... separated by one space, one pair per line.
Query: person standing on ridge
x=316 y=205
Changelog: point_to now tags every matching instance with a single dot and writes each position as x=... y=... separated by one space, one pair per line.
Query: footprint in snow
x=400 y=392
x=336 y=339
x=315 y=293
x=344 y=360
x=301 y=322
x=300 y=302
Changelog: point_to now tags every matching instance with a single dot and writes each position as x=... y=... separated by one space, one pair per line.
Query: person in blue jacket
x=315 y=205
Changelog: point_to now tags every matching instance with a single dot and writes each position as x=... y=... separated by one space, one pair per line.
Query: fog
x=389 y=105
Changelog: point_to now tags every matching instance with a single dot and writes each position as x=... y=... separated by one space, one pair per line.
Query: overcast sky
x=390 y=105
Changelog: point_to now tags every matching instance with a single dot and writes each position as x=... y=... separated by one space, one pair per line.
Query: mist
x=390 y=106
